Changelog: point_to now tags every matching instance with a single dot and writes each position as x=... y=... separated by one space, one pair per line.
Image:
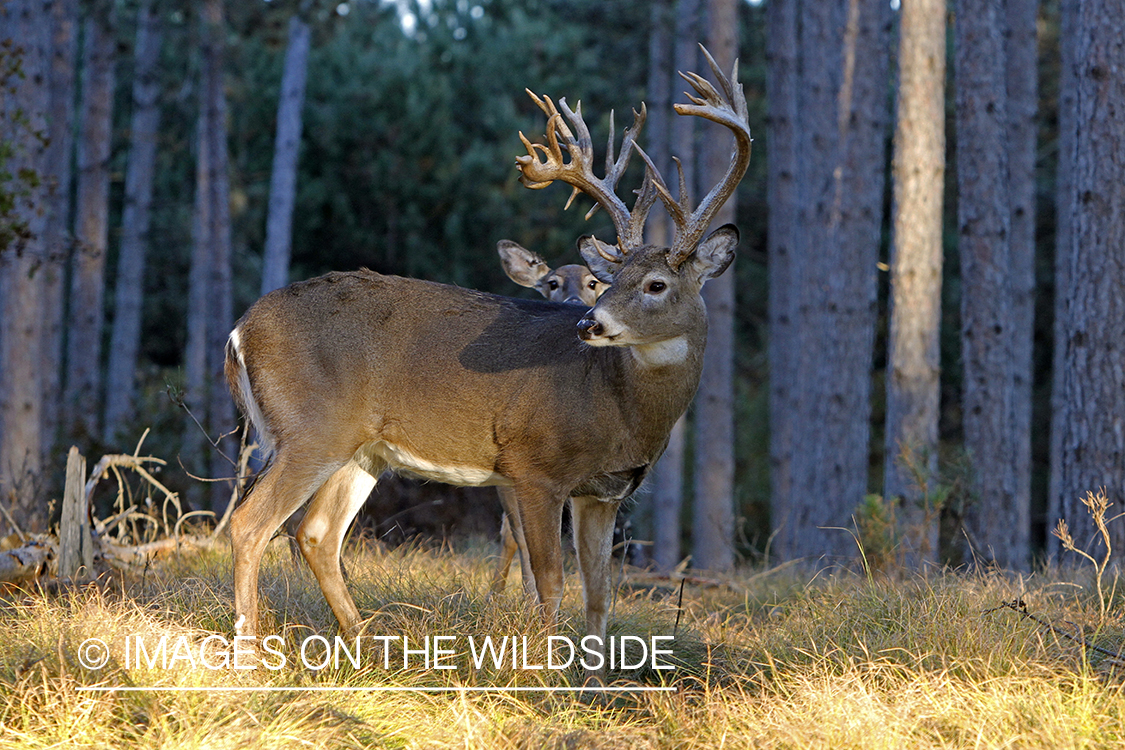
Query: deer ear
x=522 y=266
x=715 y=253
x=597 y=255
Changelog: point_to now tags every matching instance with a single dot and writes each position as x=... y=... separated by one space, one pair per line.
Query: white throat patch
x=662 y=353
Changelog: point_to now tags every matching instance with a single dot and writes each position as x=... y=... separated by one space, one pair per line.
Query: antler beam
x=543 y=164
x=728 y=109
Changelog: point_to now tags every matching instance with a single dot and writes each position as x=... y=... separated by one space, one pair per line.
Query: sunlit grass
x=782 y=658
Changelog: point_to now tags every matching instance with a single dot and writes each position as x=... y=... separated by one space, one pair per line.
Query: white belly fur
x=400 y=459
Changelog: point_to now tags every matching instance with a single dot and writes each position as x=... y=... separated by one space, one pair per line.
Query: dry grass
x=778 y=658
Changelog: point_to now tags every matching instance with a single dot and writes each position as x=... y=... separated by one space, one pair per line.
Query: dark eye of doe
x=553 y=284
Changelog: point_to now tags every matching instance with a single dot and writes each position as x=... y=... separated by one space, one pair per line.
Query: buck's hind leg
x=281 y=490
x=508 y=549
x=512 y=541
x=322 y=532
x=593 y=541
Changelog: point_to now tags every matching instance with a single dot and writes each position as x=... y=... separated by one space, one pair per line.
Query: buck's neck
x=659 y=380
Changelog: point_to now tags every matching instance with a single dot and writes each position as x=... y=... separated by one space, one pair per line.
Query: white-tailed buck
x=353 y=374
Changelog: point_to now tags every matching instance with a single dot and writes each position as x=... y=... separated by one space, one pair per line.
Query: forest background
x=402 y=160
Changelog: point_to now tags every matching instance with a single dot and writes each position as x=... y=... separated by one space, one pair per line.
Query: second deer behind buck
x=353 y=374
x=573 y=284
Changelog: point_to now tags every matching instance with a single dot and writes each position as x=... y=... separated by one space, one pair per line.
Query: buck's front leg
x=540 y=519
x=593 y=541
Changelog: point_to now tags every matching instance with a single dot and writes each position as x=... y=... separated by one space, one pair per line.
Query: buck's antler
x=579 y=173
x=729 y=109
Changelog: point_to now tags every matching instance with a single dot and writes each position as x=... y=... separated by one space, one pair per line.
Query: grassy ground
x=772 y=658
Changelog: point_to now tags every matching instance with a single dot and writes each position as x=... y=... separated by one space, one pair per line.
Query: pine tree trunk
x=652 y=520
x=997 y=523
x=129 y=291
x=198 y=312
x=1091 y=381
x=781 y=195
x=196 y=449
x=220 y=407
x=283 y=178
x=844 y=49
x=58 y=240
x=914 y=357
x=87 y=289
x=713 y=509
x=25 y=25
x=668 y=474
x=1064 y=182
x=1022 y=52
x=209 y=291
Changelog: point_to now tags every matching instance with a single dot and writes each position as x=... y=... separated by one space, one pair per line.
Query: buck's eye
x=655 y=287
x=553 y=284
x=592 y=285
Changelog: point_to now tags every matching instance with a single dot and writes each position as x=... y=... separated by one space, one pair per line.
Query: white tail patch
x=246 y=394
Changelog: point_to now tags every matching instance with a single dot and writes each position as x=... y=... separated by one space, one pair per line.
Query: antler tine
x=680 y=209
x=616 y=166
x=728 y=109
x=646 y=198
x=578 y=171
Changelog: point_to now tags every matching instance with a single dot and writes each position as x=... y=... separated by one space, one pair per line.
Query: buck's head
x=654 y=295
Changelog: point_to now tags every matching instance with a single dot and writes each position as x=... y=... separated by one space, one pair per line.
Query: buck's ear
x=715 y=253
x=522 y=266
x=597 y=255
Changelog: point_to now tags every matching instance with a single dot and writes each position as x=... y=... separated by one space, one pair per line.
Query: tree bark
x=58 y=239
x=1064 y=182
x=129 y=290
x=713 y=509
x=195 y=348
x=781 y=238
x=1091 y=382
x=914 y=356
x=210 y=316
x=26 y=24
x=667 y=475
x=283 y=178
x=997 y=523
x=87 y=289
x=844 y=59
x=1022 y=52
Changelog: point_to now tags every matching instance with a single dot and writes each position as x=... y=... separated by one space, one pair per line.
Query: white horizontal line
x=346 y=689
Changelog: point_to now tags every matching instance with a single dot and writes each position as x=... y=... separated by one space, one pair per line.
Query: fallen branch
x=139 y=555
x=26 y=562
x=1020 y=607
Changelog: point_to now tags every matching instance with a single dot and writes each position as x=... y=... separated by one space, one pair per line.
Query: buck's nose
x=589 y=328
x=574 y=299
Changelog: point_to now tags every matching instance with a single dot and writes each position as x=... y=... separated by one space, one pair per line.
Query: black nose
x=589 y=328
x=573 y=300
